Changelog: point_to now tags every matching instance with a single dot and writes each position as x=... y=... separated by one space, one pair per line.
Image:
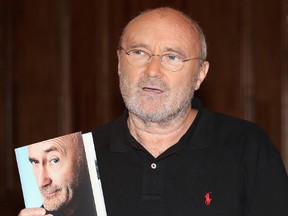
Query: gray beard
x=167 y=113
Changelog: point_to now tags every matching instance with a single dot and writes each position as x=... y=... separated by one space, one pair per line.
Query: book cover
x=61 y=175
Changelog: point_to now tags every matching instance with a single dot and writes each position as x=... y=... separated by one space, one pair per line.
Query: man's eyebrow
x=167 y=49
x=137 y=45
x=50 y=149
x=176 y=50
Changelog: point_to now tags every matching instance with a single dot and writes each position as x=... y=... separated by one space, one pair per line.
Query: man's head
x=58 y=166
x=160 y=86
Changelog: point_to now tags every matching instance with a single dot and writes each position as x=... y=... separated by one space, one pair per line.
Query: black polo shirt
x=221 y=166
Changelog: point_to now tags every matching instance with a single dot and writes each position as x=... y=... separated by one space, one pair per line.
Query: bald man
x=167 y=155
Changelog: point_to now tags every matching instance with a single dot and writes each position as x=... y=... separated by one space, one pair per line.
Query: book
x=61 y=175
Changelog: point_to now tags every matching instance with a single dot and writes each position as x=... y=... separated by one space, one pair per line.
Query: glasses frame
x=161 y=56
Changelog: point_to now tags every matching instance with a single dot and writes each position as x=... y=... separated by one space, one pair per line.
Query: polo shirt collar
x=198 y=136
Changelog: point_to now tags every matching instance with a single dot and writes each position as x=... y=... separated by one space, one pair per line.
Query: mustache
x=50 y=189
x=154 y=82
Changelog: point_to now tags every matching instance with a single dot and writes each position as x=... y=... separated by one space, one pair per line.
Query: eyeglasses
x=170 y=61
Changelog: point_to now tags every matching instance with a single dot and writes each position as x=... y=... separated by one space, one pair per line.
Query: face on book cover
x=57 y=165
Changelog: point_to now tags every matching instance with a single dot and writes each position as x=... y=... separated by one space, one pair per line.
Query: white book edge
x=94 y=173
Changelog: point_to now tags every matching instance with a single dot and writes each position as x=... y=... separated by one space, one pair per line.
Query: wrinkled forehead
x=66 y=144
x=168 y=22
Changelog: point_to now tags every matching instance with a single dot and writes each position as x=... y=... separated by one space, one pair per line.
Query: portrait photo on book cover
x=54 y=175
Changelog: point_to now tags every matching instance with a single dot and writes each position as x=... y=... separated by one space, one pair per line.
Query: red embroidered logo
x=208 y=198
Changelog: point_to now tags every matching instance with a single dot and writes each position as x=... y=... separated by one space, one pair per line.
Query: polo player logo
x=208 y=198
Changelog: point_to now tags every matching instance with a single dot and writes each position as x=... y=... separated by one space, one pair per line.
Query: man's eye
x=33 y=161
x=172 y=57
x=137 y=52
x=54 y=160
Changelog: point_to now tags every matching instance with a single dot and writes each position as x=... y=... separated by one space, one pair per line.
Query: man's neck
x=158 y=137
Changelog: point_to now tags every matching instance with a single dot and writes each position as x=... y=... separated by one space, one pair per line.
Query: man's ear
x=119 y=62
x=202 y=74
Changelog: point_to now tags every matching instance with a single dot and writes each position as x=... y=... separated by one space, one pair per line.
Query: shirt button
x=153 y=166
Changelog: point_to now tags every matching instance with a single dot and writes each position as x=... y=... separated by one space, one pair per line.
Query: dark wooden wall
x=59 y=70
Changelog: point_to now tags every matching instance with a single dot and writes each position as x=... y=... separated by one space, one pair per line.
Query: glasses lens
x=138 y=57
x=171 y=62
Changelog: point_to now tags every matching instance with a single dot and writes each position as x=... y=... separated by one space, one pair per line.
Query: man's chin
x=53 y=206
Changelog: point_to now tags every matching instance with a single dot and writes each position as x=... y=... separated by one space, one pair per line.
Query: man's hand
x=33 y=212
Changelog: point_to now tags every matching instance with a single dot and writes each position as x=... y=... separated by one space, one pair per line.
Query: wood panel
x=10 y=197
x=35 y=71
x=4 y=105
x=90 y=64
x=284 y=83
x=267 y=67
x=221 y=91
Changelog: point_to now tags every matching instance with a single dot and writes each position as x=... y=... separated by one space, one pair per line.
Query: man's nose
x=154 y=67
x=44 y=178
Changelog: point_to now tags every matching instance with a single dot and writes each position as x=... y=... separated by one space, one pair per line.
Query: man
x=166 y=155
x=62 y=176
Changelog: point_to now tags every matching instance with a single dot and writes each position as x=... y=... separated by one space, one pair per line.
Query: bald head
x=174 y=19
